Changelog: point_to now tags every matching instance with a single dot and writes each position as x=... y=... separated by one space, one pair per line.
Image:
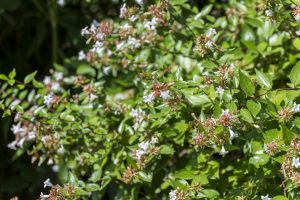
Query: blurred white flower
x=265 y=197
x=149 y=98
x=223 y=152
x=61 y=3
x=48 y=99
x=58 y=76
x=296 y=162
x=269 y=13
x=81 y=55
x=165 y=94
x=47 y=183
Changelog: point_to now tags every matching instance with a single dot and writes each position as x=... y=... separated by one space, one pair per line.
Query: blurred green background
x=34 y=34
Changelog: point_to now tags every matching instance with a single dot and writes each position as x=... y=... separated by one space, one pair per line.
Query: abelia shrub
x=170 y=102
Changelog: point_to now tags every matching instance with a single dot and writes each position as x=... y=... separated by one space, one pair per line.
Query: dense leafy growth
x=170 y=102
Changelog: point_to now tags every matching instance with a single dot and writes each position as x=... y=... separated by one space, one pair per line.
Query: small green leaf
x=166 y=149
x=295 y=74
x=263 y=80
x=246 y=84
x=246 y=115
x=3 y=77
x=12 y=74
x=146 y=176
x=29 y=77
x=253 y=107
x=296 y=43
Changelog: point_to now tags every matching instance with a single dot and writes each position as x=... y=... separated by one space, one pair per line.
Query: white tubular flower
x=209 y=44
x=44 y=196
x=223 y=152
x=298 y=32
x=265 y=197
x=144 y=145
x=232 y=134
x=134 y=113
x=173 y=195
x=47 y=80
x=58 y=76
x=165 y=95
x=151 y=25
x=93 y=97
x=296 y=108
x=47 y=183
x=296 y=162
x=269 y=13
x=12 y=145
x=48 y=99
x=85 y=31
x=123 y=11
x=211 y=32
x=297 y=17
x=220 y=90
x=149 y=98
x=55 y=86
x=133 y=42
x=120 y=46
x=17 y=128
x=81 y=55
x=133 y=18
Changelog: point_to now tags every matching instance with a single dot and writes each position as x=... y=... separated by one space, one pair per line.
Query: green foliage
x=170 y=102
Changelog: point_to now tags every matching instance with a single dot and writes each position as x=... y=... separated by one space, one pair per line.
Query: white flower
x=55 y=168
x=165 y=95
x=81 y=55
x=12 y=145
x=133 y=18
x=21 y=142
x=223 y=152
x=211 y=32
x=173 y=195
x=232 y=134
x=61 y=150
x=120 y=45
x=17 y=128
x=97 y=47
x=50 y=162
x=298 y=32
x=126 y=26
x=209 y=44
x=31 y=135
x=47 y=183
x=61 y=3
x=265 y=197
x=297 y=17
x=296 y=108
x=154 y=140
x=134 y=112
x=220 y=90
x=139 y=154
x=48 y=99
x=149 y=98
x=140 y=2
x=85 y=31
x=106 y=70
x=44 y=196
x=100 y=36
x=133 y=42
x=47 y=80
x=93 y=97
x=269 y=13
x=296 y=162
x=58 y=76
x=151 y=24
x=123 y=10
x=55 y=86
x=144 y=145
